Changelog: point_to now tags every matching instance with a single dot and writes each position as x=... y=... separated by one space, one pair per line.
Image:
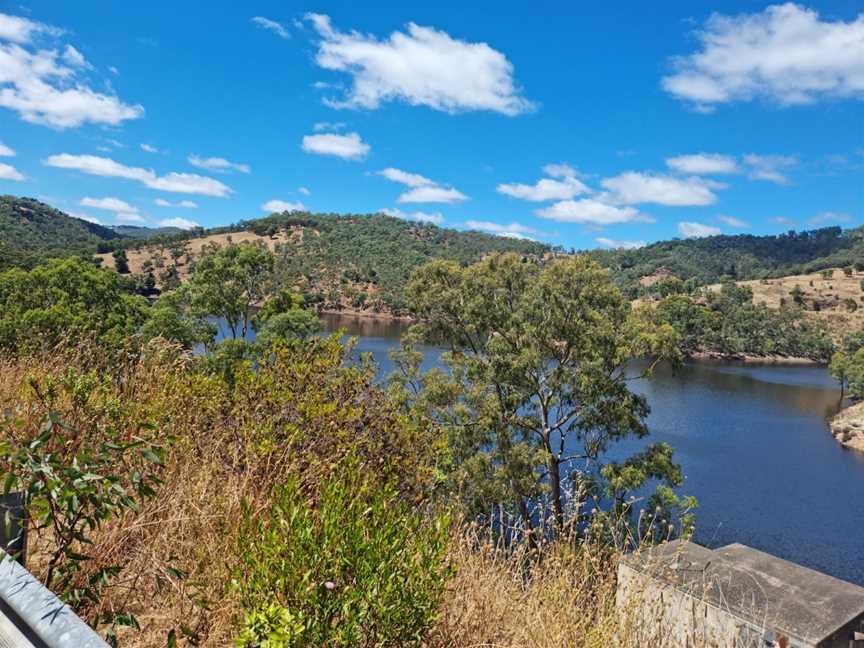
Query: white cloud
x=304 y=191
x=5 y=151
x=697 y=230
x=768 y=167
x=328 y=126
x=75 y=58
x=406 y=178
x=148 y=148
x=616 y=245
x=347 y=147
x=703 y=164
x=546 y=188
x=182 y=223
x=436 y=218
x=511 y=230
x=218 y=164
x=631 y=188
x=8 y=172
x=109 y=203
x=21 y=30
x=182 y=204
x=829 y=217
x=173 y=182
x=786 y=54
x=49 y=86
x=282 y=206
x=422 y=67
x=731 y=221
x=272 y=26
x=432 y=194
x=129 y=217
x=589 y=211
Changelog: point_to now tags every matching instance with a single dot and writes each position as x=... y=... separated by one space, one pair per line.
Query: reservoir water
x=755 y=447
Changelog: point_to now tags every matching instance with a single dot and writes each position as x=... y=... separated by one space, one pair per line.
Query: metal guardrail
x=32 y=616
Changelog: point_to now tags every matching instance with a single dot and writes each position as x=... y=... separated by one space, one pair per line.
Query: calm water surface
x=755 y=446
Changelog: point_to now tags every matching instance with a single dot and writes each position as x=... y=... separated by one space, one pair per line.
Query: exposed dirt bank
x=848 y=427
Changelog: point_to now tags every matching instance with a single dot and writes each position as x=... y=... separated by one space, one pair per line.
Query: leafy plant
x=352 y=565
x=74 y=480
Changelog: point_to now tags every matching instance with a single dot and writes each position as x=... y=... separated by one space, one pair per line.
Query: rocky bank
x=848 y=427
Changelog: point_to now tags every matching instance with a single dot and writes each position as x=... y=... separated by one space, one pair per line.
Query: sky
x=591 y=125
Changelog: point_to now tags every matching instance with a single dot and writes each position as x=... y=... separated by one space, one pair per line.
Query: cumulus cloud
x=182 y=204
x=731 y=221
x=218 y=164
x=769 y=167
x=703 y=164
x=406 y=178
x=304 y=191
x=21 y=30
x=5 y=151
x=271 y=26
x=423 y=190
x=511 y=230
x=109 y=203
x=172 y=182
x=435 y=218
x=421 y=66
x=147 y=148
x=348 y=147
x=51 y=86
x=282 y=206
x=181 y=223
x=8 y=172
x=619 y=245
x=631 y=188
x=697 y=230
x=589 y=211
x=432 y=194
x=786 y=54
x=84 y=217
x=546 y=188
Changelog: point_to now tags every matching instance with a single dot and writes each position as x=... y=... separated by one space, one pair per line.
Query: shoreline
x=380 y=315
x=773 y=360
x=847 y=426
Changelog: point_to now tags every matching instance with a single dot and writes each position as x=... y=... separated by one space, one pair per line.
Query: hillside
x=742 y=257
x=30 y=230
x=357 y=262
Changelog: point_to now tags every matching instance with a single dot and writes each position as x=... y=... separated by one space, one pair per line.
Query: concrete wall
x=658 y=614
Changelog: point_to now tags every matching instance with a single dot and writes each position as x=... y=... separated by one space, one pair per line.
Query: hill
x=138 y=232
x=342 y=261
x=28 y=227
x=739 y=257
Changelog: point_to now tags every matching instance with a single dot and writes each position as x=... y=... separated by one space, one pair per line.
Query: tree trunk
x=557 y=497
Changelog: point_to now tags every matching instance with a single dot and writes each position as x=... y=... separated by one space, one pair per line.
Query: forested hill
x=29 y=226
x=744 y=256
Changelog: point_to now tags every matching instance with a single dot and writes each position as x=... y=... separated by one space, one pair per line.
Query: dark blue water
x=755 y=447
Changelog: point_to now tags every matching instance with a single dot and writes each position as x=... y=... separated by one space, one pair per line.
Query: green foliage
x=537 y=389
x=73 y=481
x=847 y=365
x=65 y=300
x=170 y=318
x=229 y=282
x=285 y=316
x=744 y=256
x=730 y=323
x=34 y=228
x=121 y=261
x=351 y=566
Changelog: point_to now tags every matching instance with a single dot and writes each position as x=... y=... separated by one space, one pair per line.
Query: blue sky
x=585 y=126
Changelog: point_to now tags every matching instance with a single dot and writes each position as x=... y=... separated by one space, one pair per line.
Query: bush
x=357 y=568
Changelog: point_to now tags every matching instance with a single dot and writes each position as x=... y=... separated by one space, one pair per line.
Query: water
x=755 y=447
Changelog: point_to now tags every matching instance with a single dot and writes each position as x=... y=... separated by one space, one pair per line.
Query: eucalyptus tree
x=536 y=387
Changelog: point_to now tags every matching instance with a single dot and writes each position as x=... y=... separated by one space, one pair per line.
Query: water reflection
x=754 y=444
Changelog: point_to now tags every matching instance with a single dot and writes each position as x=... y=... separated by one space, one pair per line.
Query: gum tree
x=537 y=382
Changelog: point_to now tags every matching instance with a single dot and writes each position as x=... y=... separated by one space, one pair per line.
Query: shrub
x=358 y=567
